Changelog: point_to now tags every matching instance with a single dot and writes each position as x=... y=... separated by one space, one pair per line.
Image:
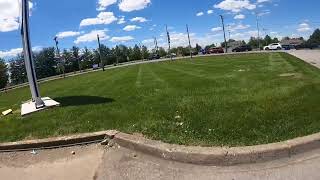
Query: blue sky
x=138 y=21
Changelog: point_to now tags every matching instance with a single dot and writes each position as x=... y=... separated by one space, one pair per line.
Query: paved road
x=99 y=163
x=310 y=56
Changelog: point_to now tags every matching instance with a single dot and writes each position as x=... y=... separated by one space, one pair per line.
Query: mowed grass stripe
x=234 y=100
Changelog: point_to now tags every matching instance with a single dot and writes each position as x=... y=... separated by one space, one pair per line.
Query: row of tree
x=49 y=63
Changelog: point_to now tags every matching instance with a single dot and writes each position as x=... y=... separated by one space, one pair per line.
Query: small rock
x=73 y=152
x=179 y=123
x=135 y=155
x=105 y=142
x=33 y=152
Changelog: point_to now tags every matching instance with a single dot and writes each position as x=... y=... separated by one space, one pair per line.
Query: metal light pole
x=102 y=64
x=29 y=63
x=224 y=34
x=189 y=41
x=58 y=53
x=169 y=41
x=258 y=28
x=156 y=45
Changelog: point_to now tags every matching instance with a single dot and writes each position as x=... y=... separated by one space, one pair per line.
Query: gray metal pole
x=169 y=41
x=224 y=34
x=102 y=64
x=58 y=53
x=189 y=41
x=29 y=63
x=258 y=28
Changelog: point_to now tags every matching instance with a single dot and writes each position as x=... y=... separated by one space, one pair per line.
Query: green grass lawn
x=224 y=100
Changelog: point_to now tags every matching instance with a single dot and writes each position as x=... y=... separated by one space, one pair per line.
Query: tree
x=3 y=74
x=18 y=72
x=162 y=52
x=87 y=59
x=75 y=63
x=267 y=40
x=136 y=53
x=314 y=39
x=45 y=63
x=254 y=42
x=145 y=52
x=198 y=47
x=210 y=46
x=275 y=40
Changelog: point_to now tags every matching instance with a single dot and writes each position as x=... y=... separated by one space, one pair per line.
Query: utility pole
x=168 y=35
x=258 y=28
x=229 y=31
x=189 y=41
x=156 y=45
x=29 y=63
x=224 y=34
x=99 y=45
x=61 y=63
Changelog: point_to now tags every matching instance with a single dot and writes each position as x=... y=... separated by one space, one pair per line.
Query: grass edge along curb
x=53 y=142
x=220 y=156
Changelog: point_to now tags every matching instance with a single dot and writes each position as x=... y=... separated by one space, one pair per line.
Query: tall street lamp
x=37 y=103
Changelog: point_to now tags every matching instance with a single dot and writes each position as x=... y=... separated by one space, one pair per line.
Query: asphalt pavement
x=116 y=163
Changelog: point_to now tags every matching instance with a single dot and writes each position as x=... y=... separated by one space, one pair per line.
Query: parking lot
x=310 y=56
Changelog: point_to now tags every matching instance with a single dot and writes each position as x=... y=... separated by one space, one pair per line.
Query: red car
x=217 y=50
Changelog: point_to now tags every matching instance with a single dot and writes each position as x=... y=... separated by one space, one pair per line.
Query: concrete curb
x=53 y=142
x=220 y=156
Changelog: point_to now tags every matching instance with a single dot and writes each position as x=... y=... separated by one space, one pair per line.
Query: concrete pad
x=30 y=107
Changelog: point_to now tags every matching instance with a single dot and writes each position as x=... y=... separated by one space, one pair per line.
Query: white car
x=274 y=46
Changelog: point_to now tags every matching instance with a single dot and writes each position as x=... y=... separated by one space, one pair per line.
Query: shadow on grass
x=82 y=100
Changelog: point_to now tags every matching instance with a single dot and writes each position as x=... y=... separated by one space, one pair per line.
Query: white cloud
x=92 y=36
x=121 y=20
x=121 y=39
x=235 y=27
x=103 y=4
x=265 y=12
x=210 y=11
x=216 y=29
x=102 y=18
x=10 y=53
x=139 y=19
x=133 y=5
x=262 y=1
x=9 y=15
x=16 y=51
x=304 y=27
x=235 y=5
x=239 y=16
x=245 y=35
x=131 y=28
x=65 y=34
x=200 y=14
x=181 y=39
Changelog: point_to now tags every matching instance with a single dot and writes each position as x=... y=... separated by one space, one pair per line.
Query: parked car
x=242 y=48
x=274 y=46
x=154 y=56
x=217 y=50
x=288 y=47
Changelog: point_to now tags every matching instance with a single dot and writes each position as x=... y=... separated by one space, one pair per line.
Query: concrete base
x=30 y=107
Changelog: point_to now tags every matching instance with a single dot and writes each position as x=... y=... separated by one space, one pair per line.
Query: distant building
x=292 y=41
x=235 y=44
